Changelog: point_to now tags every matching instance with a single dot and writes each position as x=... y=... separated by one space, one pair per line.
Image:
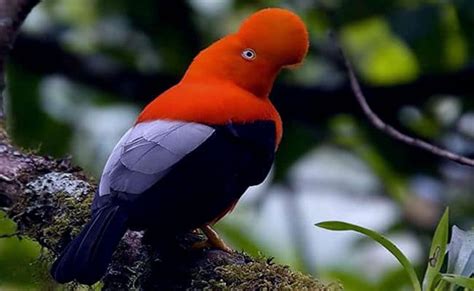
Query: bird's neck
x=259 y=85
x=210 y=102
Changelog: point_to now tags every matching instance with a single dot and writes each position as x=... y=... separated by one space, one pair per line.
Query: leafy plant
x=461 y=252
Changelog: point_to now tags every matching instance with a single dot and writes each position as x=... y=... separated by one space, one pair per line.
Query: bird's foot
x=213 y=240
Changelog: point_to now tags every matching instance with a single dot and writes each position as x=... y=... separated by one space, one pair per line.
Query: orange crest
x=230 y=80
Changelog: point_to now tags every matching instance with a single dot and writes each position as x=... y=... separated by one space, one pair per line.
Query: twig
x=388 y=129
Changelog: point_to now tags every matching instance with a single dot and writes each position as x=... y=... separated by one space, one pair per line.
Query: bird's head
x=276 y=35
x=267 y=41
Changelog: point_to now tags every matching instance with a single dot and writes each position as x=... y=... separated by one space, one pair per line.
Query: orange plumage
x=221 y=86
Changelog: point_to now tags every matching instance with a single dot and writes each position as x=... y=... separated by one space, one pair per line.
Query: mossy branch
x=49 y=199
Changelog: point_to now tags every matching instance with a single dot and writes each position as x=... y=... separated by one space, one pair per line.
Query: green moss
x=260 y=274
x=70 y=220
x=52 y=219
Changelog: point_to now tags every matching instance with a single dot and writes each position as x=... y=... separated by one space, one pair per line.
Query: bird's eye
x=249 y=54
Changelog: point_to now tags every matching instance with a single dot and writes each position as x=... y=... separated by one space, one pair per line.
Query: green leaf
x=437 y=253
x=343 y=226
x=442 y=285
x=459 y=280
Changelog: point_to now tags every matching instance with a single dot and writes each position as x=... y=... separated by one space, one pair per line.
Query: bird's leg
x=213 y=240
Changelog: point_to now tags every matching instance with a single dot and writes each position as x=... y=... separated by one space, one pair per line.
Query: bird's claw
x=213 y=240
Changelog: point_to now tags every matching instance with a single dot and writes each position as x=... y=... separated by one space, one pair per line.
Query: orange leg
x=213 y=240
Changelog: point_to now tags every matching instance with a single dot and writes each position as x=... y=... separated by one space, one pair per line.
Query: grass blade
x=343 y=226
x=459 y=280
x=437 y=252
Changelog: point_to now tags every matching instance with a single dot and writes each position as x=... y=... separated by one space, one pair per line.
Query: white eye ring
x=249 y=54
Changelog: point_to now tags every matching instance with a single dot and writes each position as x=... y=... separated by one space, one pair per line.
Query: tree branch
x=49 y=200
x=12 y=14
x=390 y=130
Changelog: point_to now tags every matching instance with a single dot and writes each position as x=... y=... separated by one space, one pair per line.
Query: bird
x=196 y=148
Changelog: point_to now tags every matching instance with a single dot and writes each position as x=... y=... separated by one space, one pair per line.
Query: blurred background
x=82 y=70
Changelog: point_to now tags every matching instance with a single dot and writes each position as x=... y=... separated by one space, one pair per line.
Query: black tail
x=86 y=258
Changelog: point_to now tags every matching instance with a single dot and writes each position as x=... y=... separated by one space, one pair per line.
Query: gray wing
x=147 y=152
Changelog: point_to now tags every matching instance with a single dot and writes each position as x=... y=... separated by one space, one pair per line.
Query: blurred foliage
x=354 y=281
x=391 y=43
x=299 y=140
x=18 y=258
x=29 y=123
x=347 y=133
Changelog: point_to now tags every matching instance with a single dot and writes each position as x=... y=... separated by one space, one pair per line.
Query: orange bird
x=196 y=148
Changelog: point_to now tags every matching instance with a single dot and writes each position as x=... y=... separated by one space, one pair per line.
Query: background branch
x=390 y=130
x=12 y=14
